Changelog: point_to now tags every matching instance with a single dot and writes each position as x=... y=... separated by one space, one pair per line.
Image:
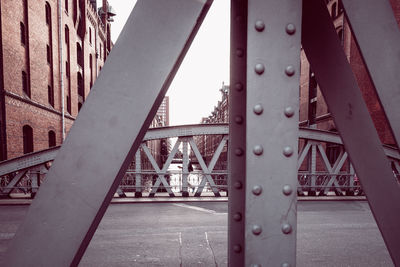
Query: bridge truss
x=266 y=39
x=317 y=174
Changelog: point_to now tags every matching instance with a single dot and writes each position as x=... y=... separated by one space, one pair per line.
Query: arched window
x=27 y=135
x=52 y=139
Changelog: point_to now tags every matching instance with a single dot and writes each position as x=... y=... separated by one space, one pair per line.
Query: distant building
x=207 y=144
x=50 y=55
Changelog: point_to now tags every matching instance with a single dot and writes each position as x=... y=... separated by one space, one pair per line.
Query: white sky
x=195 y=89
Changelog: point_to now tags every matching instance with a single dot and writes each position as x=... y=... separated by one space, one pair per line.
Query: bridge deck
x=195 y=234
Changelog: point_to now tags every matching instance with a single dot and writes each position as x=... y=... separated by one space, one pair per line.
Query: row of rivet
x=237 y=248
x=258 y=149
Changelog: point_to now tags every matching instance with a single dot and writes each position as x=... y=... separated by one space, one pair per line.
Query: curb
x=130 y=200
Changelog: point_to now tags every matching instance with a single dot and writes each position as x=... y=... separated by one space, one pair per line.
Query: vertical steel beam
x=185 y=169
x=344 y=99
x=237 y=134
x=313 y=168
x=93 y=159
x=378 y=37
x=273 y=74
x=138 y=175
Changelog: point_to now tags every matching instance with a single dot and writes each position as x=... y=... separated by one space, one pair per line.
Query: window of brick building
x=27 y=134
x=91 y=69
x=312 y=96
x=50 y=93
x=69 y=108
x=48 y=54
x=79 y=55
x=48 y=14
x=66 y=6
x=52 y=139
x=90 y=35
x=25 y=86
x=23 y=34
x=67 y=69
x=333 y=10
x=341 y=36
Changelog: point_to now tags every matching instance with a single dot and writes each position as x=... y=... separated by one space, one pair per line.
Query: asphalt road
x=195 y=234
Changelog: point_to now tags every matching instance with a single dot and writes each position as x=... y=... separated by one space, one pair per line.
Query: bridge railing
x=323 y=166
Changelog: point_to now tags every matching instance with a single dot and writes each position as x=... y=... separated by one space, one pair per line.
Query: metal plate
x=273 y=72
x=107 y=133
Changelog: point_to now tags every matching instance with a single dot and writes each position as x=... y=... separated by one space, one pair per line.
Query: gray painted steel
x=351 y=116
x=273 y=74
x=28 y=160
x=186 y=130
x=107 y=133
x=377 y=35
x=237 y=134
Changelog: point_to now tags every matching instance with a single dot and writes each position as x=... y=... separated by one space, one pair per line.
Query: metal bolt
x=260 y=25
x=285 y=264
x=239 y=52
x=238 y=152
x=257 y=190
x=237 y=216
x=258 y=109
x=289 y=70
x=237 y=185
x=256 y=229
x=290 y=28
x=239 y=87
x=259 y=68
x=288 y=151
x=237 y=248
x=287 y=190
x=258 y=150
x=239 y=119
x=286 y=228
x=255 y=265
x=289 y=112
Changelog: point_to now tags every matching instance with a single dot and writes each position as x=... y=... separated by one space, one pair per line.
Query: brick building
x=208 y=144
x=51 y=52
x=313 y=109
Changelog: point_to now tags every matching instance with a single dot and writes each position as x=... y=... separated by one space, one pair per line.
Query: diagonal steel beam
x=207 y=170
x=351 y=116
x=369 y=18
x=87 y=171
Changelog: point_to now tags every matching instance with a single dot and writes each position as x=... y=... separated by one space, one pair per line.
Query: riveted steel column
x=273 y=71
x=93 y=159
x=237 y=133
x=361 y=141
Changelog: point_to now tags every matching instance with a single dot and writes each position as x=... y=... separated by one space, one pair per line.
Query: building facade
x=314 y=112
x=51 y=53
x=208 y=144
